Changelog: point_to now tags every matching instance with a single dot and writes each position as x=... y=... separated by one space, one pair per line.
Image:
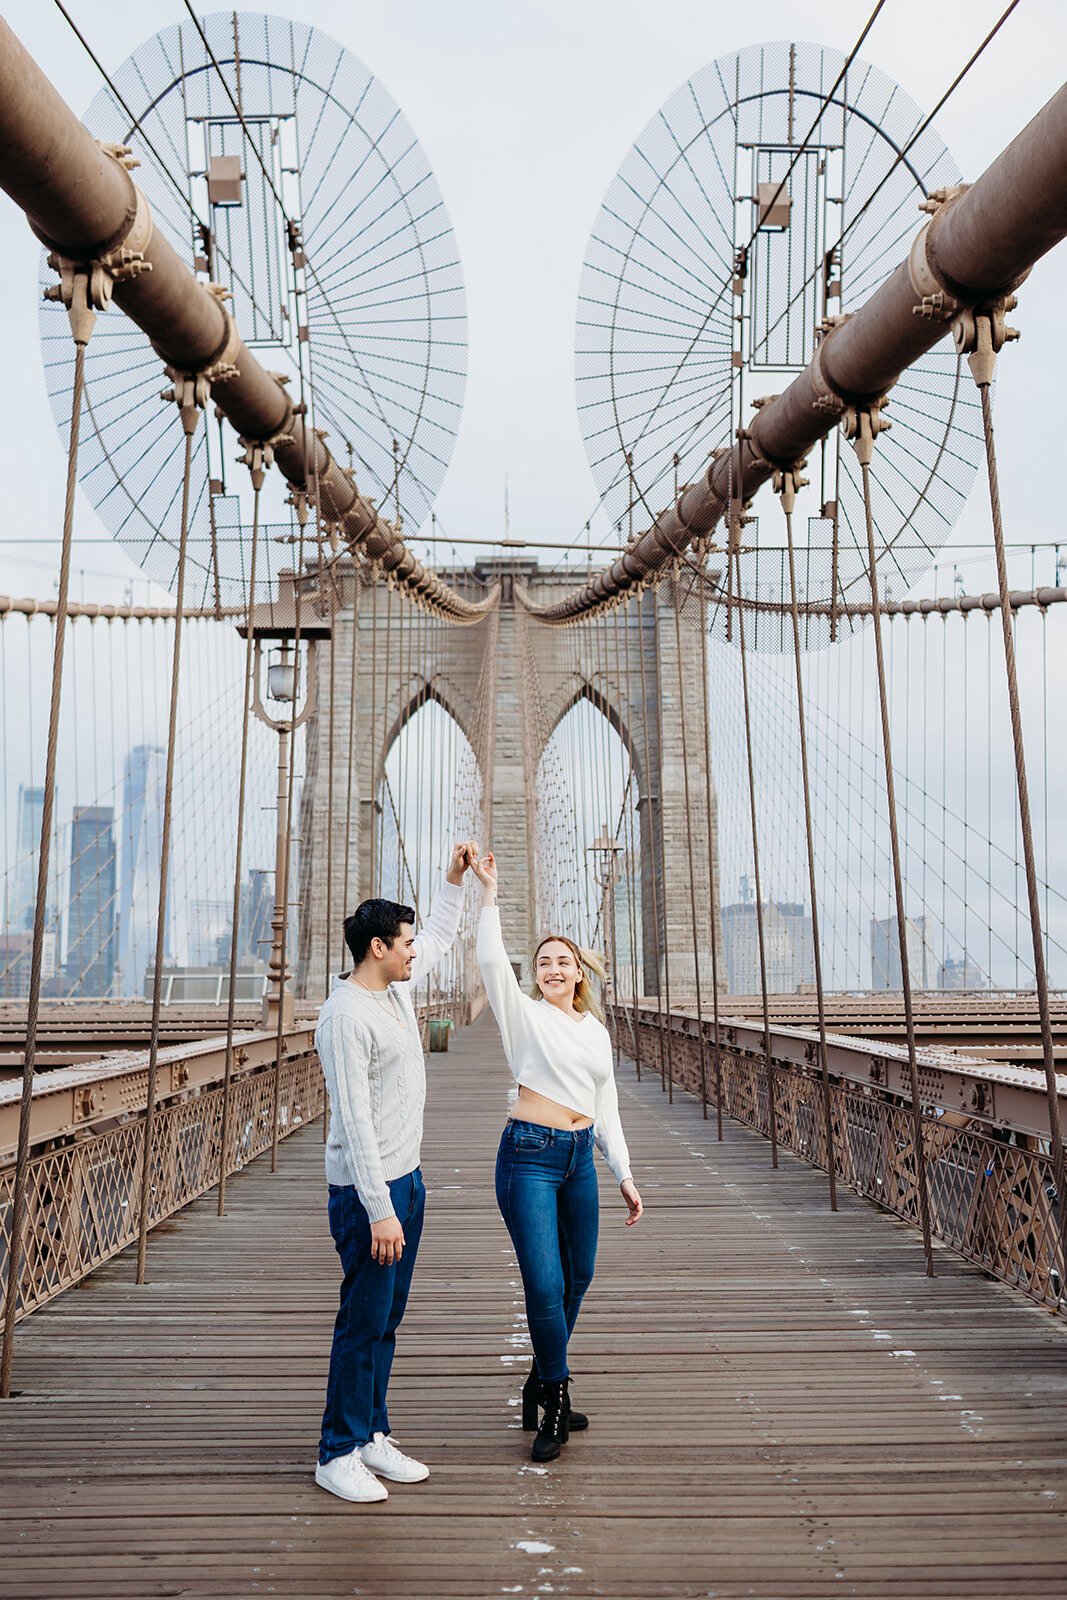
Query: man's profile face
x=396 y=958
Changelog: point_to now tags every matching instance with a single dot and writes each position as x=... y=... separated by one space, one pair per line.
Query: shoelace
x=387 y=1445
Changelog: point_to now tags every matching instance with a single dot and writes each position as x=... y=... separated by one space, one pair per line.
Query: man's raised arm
x=436 y=935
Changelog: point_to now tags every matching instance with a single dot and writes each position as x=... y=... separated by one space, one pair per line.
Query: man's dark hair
x=375 y=919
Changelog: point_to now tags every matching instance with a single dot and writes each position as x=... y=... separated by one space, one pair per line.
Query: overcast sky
x=525 y=113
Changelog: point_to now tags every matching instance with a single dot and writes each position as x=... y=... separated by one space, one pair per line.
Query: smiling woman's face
x=556 y=972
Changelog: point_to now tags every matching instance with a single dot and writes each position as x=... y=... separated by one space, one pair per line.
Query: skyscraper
x=142 y=836
x=91 y=953
x=788 y=946
x=27 y=857
x=257 y=914
x=923 y=965
x=209 y=932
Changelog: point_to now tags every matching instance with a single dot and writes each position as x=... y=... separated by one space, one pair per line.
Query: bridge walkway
x=782 y=1404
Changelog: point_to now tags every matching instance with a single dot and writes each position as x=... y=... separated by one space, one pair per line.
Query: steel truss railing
x=82 y=1199
x=991 y=1200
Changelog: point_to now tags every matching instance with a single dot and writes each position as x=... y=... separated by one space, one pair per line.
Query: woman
x=559 y=1052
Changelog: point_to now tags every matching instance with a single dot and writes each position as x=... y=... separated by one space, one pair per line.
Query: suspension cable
x=190 y=394
x=772 y=1128
x=282 y=892
x=82 y=317
x=231 y=1005
x=633 y=853
x=689 y=844
x=714 y=878
x=789 y=483
x=653 y=811
x=987 y=333
x=863 y=426
x=353 y=667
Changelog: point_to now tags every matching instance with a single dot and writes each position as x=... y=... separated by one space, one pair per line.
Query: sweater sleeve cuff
x=377 y=1207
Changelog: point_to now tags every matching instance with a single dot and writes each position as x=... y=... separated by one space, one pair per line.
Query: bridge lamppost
x=607 y=851
x=277 y=622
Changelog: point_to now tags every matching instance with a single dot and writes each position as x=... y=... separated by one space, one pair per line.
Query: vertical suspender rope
x=772 y=1127
x=82 y=318
x=631 y=906
x=608 y=888
x=298 y=595
x=676 y=581
x=650 y=800
x=662 y=839
x=981 y=362
x=331 y=673
x=353 y=663
x=713 y=885
x=788 y=494
x=379 y=816
x=224 y=1142
x=191 y=394
x=862 y=426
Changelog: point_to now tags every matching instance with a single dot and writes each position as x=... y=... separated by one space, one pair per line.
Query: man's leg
x=362 y=1318
x=409 y=1202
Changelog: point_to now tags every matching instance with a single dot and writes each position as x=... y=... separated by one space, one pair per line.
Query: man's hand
x=386 y=1241
x=464 y=855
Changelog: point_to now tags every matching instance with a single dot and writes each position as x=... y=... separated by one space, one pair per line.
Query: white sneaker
x=382 y=1456
x=347 y=1477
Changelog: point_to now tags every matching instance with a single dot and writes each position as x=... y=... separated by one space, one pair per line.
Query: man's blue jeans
x=373 y=1298
x=546 y=1189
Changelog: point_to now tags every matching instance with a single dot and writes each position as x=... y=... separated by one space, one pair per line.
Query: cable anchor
x=191 y=393
x=862 y=425
x=981 y=333
x=786 y=482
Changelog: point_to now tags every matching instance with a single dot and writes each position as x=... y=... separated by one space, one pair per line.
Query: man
x=371 y=1053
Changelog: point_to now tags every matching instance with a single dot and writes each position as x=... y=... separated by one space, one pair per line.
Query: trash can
x=439 y=1027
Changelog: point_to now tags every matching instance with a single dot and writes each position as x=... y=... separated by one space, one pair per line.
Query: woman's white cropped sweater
x=567 y=1059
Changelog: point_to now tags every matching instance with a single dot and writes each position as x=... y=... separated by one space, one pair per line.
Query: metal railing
x=992 y=1198
x=82 y=1199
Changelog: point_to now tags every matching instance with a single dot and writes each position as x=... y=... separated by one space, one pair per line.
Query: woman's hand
x=484 y=870
x=633 y=1201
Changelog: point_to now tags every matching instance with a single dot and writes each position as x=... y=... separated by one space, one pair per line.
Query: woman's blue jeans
x=546 y=1189
x=373 y=1298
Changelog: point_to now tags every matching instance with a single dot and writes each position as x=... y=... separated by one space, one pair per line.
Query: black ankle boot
x=554 y=1431
x=531 y=1400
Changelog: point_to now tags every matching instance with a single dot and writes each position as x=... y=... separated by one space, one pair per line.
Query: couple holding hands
x=370 y=1047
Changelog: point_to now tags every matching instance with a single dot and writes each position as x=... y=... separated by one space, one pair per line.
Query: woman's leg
x=530 y=1169
x=578 y=1210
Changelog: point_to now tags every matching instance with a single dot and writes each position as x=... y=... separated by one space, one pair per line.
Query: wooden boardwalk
x=782 y=1405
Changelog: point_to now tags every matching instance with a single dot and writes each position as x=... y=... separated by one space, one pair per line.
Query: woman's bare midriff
x=533 y=1107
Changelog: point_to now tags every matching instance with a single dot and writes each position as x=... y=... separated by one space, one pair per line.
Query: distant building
x=92 y=941
x=788 y=946
x=144 y=790
x=962 y=973
x=23 y=894
x=209 y=932
x=924 y=968
x=16 y=954
x=255 y=933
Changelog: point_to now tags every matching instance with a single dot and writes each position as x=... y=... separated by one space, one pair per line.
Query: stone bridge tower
x=389 y=659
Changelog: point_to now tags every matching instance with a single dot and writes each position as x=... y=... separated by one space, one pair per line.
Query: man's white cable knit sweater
x=567 y=1059
x=375 y=1070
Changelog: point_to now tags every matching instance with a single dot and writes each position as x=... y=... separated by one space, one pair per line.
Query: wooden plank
x=782 y=1404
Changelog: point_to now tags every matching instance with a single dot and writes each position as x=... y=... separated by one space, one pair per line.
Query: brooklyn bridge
x=770 y=723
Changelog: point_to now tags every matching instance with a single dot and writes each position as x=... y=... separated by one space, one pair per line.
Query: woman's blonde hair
x=590 y=961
